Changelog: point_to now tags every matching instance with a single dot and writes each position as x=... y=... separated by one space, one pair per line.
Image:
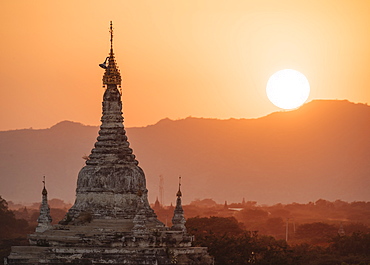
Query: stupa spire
x=112 y=146
x=179 y=194
x=111 y=184
x=112 y=75
x=44 y=220
x=44 y=191
x=178 y=219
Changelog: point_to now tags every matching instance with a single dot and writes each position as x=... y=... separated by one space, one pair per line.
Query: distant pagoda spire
x=157 y=206
x=44 y=220
x=341 y=231
x=178 y=219
x=112 y=75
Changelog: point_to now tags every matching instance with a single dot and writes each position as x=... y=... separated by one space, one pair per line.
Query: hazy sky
x=177 y=58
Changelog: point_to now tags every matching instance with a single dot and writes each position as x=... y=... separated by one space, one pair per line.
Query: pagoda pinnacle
x=44 y=220
x=112 y=75
x=178 y=219
x=44 y=191
x=179 y=194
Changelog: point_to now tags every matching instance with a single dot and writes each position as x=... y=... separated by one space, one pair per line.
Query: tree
x=317 y=232
x=203 y=226
x=225 y=238
x=12 y=231
x=10 y=227
x=228 y=243
x=356 y=244
x=271 y=251
x=275 y=226
x=356 y=227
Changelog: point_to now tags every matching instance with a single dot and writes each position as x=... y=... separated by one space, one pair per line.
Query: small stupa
x=44 y=220
x=111 y=221
x=178 y=220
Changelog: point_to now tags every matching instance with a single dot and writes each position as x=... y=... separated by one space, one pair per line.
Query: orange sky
x=177 y=58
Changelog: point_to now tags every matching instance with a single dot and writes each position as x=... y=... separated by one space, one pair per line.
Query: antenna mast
x=161 y=190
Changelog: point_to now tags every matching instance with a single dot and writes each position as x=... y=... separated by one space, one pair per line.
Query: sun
x=288 y=89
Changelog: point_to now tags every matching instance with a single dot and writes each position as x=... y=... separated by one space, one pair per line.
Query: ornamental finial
x=112 y=75
x=179 y=194
x=111 y=35
x=44 y=191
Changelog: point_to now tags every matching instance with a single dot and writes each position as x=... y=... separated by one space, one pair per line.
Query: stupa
x=111 y=221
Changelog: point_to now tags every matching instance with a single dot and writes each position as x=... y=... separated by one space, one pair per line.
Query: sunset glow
x=177 y=58
x=204 y=65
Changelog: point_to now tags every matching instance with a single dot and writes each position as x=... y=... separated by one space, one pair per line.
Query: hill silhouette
x=321 y=150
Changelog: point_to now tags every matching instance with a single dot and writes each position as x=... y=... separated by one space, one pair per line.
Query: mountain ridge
x=320 y=150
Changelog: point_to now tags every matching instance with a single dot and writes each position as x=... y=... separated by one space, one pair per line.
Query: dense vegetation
x=242 y=233
x=229 y=243
x=323 y=217
x=15 y=225
x=12 y=231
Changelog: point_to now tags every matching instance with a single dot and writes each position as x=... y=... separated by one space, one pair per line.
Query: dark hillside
x=321 y=150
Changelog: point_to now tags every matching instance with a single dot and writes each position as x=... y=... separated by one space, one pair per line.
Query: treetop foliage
x=229 y=243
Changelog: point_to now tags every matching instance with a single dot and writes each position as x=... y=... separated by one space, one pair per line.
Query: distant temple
x=111 y=221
